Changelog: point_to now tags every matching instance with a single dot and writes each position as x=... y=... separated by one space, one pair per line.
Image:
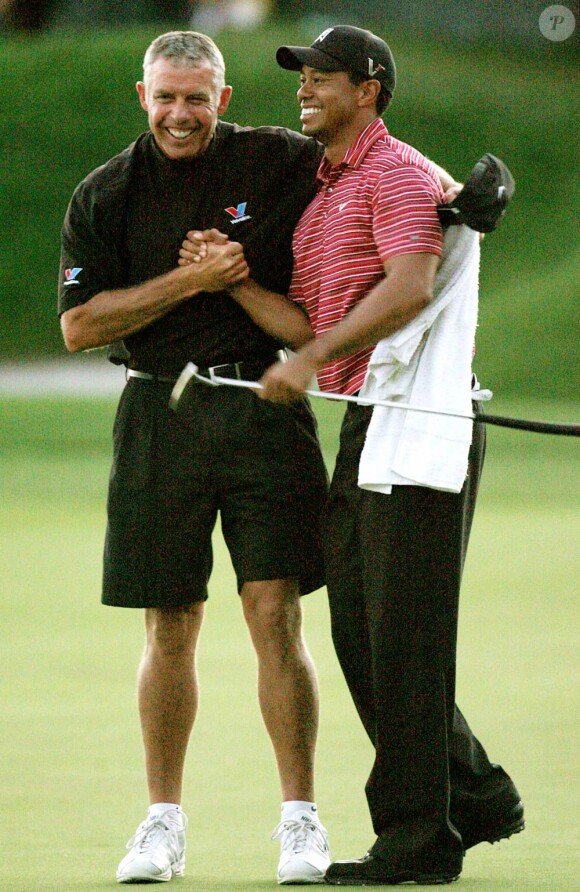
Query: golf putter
x=190 y=377
x=187 y=379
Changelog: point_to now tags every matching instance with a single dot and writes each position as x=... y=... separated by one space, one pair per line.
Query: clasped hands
x=220 y=263
x=197 y=245
x=282 y=382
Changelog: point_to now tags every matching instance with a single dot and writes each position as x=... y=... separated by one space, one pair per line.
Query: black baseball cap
x=484 y=198
x=344 y=48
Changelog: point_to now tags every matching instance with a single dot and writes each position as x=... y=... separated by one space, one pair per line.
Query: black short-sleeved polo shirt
x=127 y=219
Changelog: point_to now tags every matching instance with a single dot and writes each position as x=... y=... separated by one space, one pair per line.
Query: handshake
x=221 y=264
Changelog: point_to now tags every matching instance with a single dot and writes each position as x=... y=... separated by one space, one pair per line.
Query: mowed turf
x=72 y=786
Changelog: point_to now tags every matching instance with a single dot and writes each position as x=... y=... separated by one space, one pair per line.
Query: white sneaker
x=156 y=851
x=304 y=855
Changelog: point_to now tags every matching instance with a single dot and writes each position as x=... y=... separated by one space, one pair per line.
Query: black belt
x=247 y=370
x=148 y=376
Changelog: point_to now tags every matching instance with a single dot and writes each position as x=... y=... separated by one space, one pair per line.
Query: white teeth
x=308 y=112
x=179 y=134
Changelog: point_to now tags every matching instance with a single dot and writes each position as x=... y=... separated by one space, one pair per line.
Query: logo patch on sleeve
x=71 y=275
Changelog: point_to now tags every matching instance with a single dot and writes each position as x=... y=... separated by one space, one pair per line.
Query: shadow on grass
x=185 y=884
x=201 y=884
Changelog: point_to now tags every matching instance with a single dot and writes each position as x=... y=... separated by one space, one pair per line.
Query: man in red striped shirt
x=366 y=252
x=378 y=203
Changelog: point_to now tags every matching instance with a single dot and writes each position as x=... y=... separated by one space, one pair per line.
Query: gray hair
x=188 y=49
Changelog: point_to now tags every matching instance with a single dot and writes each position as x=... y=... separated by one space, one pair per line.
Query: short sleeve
x=90 y=259
x=405 y=219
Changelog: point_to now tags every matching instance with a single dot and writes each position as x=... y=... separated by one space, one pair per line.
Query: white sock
x=293 y=805
x=159 y=808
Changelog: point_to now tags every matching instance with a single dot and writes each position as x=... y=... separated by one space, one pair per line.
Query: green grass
x=72 y=769
x=453 y=102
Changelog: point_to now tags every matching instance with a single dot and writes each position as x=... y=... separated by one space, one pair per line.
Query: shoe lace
x=144 y=834
x=298 y=836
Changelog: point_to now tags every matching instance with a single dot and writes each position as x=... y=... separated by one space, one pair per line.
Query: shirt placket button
x=327 y=191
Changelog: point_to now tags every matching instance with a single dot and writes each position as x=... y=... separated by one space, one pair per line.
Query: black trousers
x=394 y=565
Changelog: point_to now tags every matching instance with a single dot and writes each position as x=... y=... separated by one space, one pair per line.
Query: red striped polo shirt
x=379 y=202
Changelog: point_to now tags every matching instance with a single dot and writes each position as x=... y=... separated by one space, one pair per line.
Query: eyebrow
x=163 y=92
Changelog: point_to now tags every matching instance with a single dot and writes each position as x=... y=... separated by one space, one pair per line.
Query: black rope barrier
x=538 y=427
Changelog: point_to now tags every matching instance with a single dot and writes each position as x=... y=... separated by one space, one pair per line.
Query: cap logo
x=373 y=70
x=324 y=35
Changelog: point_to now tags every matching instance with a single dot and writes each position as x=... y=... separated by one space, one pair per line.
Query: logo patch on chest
x=239 y=213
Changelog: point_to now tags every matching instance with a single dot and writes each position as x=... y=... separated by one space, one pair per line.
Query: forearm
x=274 y=313
x=387 y=308
x=406 y=289
x=113 y=315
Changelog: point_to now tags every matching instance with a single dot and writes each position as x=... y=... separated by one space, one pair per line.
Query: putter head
x=187 y=379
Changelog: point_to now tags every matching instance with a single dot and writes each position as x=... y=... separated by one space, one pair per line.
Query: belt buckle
x=220 y=371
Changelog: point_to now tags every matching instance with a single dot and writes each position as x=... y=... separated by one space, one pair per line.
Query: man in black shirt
x=257 y=464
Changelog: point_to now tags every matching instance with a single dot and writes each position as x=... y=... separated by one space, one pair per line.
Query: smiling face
x=333 y=109
x=183 y=105
x=328 y=102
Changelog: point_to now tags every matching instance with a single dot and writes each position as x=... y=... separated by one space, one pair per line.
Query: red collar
x=355 y=154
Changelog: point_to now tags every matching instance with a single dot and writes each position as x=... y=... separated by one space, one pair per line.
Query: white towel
x=427 y=363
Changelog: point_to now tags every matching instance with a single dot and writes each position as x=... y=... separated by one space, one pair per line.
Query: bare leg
x=287 y=684
x=168 y=696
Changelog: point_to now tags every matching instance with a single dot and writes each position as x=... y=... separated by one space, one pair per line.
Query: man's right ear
x=142 y=95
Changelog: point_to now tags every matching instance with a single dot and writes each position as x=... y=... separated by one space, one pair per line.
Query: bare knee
x=171 y=631
x=273 y=614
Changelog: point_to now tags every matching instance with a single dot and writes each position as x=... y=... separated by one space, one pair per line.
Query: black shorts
x=259 y=465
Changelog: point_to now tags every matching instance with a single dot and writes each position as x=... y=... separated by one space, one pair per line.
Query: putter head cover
x=483 y=200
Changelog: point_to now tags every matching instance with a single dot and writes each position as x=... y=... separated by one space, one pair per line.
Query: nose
x=179 y=110
x=304 y=90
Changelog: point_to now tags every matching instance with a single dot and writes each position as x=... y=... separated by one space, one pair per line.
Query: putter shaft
x=191 y=371
x=342 y=397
